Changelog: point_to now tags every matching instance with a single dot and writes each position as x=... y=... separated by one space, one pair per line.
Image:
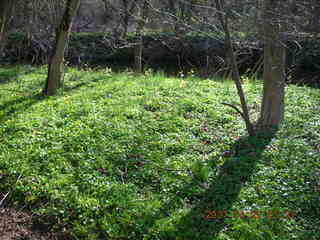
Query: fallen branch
x=4 y=198
x=7 y=194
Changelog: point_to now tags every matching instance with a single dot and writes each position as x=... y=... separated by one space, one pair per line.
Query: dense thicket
x=169 y=53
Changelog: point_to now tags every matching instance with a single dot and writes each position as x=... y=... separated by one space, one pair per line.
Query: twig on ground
x=4 y=198
x=7 y=194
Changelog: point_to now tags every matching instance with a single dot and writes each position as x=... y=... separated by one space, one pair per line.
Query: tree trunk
x=173 y=14
x=259 y=17
x=5 y=7
x=138 y=54
x=125 y=18
x=186 y=8
x=220 y=4
x=272 y=109
x=142 y=18
x=55 y=68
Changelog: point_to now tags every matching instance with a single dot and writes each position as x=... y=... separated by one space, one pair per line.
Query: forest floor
x=125 y=156
x=18 y=225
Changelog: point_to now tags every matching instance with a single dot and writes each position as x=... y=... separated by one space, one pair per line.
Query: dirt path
x=17 y=225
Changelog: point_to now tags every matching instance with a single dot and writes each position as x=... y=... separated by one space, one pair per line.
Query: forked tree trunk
x=142 y=18
x=272 y=109
x=55 y=68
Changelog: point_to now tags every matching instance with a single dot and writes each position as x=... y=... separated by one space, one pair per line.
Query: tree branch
x=235 y=108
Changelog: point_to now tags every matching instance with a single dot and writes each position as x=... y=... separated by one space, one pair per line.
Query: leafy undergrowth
x=119 y=156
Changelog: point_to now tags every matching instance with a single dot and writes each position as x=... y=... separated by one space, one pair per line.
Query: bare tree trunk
x=259 y=17
x=272 y=109
x=235 y=70
x=5 y=7
x=55 y=68
x=125 y=14
x=173 y=14
x=186 y=8
x=138 y=54
x=29 y=21
x=142 y=18
x=125 y=19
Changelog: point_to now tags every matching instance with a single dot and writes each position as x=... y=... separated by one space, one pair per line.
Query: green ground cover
x=120 y=156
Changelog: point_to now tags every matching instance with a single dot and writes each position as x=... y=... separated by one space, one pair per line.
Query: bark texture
x=56 y=65
x=5 y=12
x=272 y=109
x=142 y=18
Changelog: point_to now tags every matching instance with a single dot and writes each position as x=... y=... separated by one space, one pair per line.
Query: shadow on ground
x=220 y=195
x=17 y=105
x=8 y=76
x=15 y=224
x=80 y=82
